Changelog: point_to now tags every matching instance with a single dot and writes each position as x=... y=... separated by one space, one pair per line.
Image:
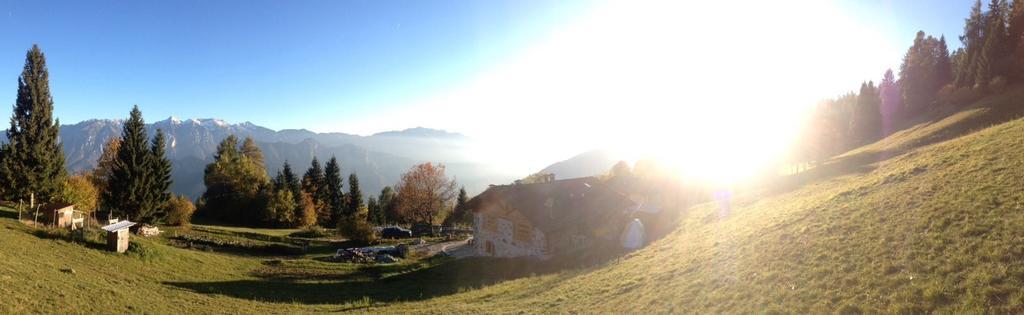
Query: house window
x=490 y=223
x=522 y=232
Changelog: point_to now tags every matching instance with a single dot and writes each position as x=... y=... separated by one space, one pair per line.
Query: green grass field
x=928 y=220
x=40 y=271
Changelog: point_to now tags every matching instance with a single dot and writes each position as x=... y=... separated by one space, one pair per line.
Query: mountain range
x=378 y=159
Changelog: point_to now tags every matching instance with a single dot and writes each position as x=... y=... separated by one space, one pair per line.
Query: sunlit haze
x=624 y=77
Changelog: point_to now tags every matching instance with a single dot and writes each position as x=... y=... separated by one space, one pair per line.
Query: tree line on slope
x=930 y=79
x=240 y=191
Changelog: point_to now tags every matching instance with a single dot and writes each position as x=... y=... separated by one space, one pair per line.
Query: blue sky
x=349 y=66
x=282 y=64
x=905 y=18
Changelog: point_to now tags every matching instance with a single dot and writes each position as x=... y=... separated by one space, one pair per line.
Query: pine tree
x=1015 y=38
x=972 y=41
x=866 y=123
x=994 y=52
x=354 y=198
x=227 y=149
x=461 y=214
x=161 y=189
x=33 y=158
x=313 y=184
x=943 y=65
x=891 y=102
x=289 y=180
x=923 y=72
x=252 y=151
x=332 y=184
x=388 y=203
x=374 y=213
x=130 y=191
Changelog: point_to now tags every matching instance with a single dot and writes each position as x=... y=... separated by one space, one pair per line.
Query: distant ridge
x=378 y=159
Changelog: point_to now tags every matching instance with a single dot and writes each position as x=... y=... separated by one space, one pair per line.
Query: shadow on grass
x=89 y=239
x=10 y=214
x=380 y=283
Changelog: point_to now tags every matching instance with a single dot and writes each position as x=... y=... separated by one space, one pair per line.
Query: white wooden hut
x=117 y=235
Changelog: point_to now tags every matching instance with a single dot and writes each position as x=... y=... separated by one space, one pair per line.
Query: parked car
x=395 y=232
x=423 y=229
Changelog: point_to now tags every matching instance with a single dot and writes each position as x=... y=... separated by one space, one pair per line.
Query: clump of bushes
x=356 y=228
x=952 y=95
x=179 y=211
x=145 y=252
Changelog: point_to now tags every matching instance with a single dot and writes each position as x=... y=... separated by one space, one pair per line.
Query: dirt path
x=456 y=249
x=459 y=249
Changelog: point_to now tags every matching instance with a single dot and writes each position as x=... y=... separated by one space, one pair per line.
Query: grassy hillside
x=932 y=221
x=937 y=228
x=224 y=270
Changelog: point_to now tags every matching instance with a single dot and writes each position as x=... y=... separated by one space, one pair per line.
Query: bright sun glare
x=712 y=90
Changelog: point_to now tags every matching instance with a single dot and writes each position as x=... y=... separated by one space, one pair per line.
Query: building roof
x=553 y=205
x=53 y=206
x=118 y=226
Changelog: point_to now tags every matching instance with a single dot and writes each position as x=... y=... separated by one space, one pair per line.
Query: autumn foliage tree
x=80 y=191
x=234 y=182
x=424 y=192
x=179 y=211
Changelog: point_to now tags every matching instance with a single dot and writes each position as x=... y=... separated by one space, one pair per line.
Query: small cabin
x=556 y=217
x=117 y=235
x=63 y=215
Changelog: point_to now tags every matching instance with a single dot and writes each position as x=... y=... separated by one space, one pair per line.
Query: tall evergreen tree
x=161 y=188
x=972 y=40
x=460 y=214
x=374 y=213
x=923 y=72
x=994 y=53
x=314 y=184
x=354 y=198
x=130 y=193
x=943 y=64
x=1015 y=38
x=866 y=123
x=227 y=149
x=286 y=179
x=891 y=100
x=333 y=185
x=33 y=158
x=388 y=203
x=252 y=151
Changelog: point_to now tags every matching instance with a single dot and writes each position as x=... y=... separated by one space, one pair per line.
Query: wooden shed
x=63 y=215
x=117 y=236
